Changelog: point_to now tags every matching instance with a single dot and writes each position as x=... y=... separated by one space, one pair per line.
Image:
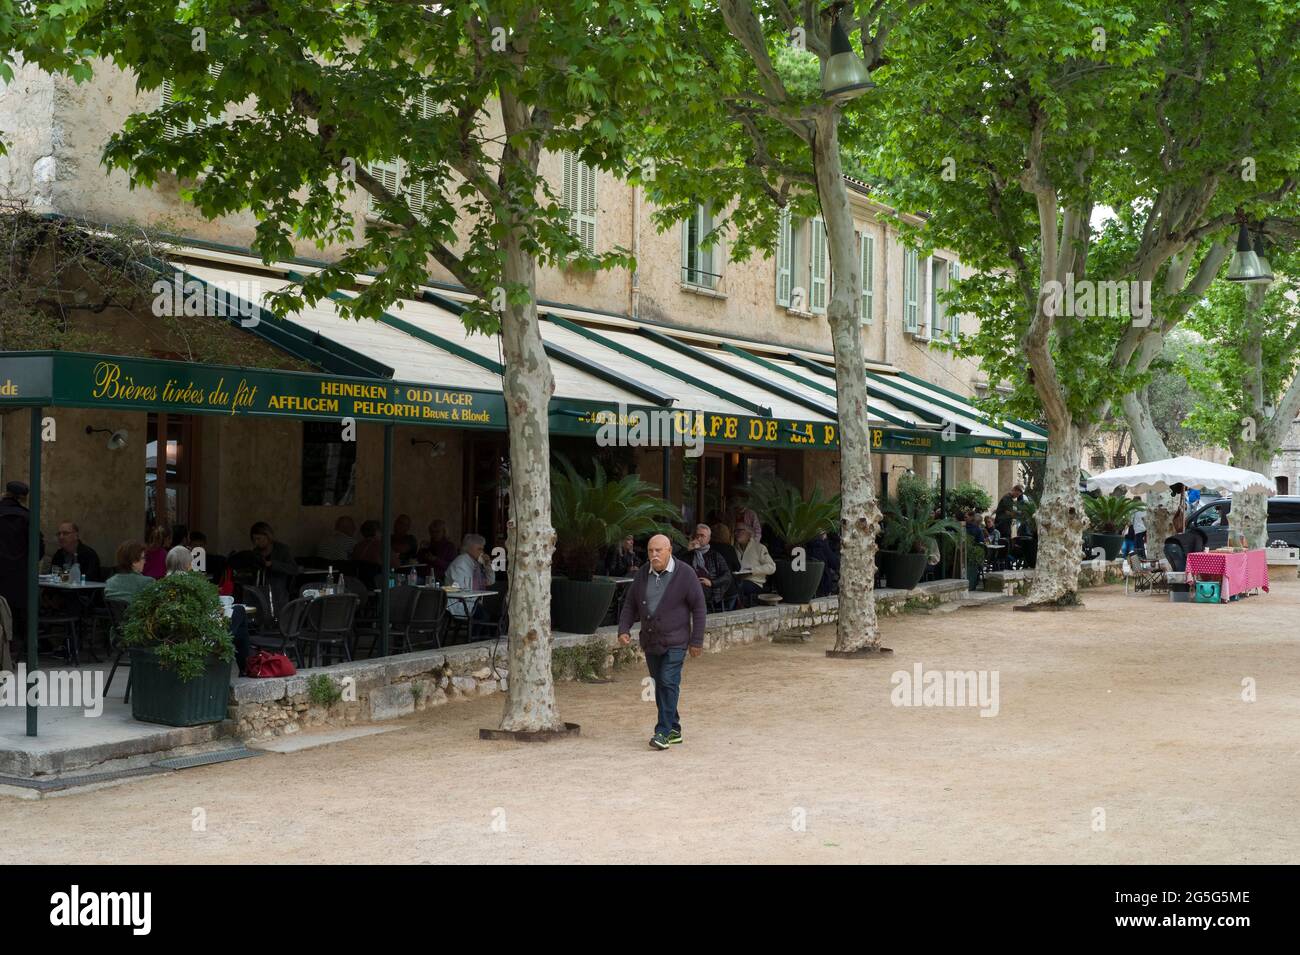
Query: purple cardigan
x=679 y=619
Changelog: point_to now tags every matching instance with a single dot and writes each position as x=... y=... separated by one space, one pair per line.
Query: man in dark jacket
x=72 y=550
x=668 y=599
x=709 y=565
x=14 y=565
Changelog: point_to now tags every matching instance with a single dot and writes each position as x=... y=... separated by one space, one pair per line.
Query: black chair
x=263 y=620
x=427 y=621
x=401 y=608
x=328 y=622
x=116 y=615
x=284 y=637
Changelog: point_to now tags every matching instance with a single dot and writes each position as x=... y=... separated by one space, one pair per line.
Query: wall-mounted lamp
x=116 y=439
x=436 y=448
x=901 y=467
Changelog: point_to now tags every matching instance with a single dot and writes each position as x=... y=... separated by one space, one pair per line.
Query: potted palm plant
x=1108 y=515
x=798 y=522
x=181 y=651
x=910 y=528
x=590 y=515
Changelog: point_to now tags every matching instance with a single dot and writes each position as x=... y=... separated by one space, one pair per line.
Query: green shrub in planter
x=590 y=515
x=797 y=521
x=181 y=651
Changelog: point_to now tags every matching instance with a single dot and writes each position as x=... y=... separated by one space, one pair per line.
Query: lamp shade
x=1245 y=263
x=1265 y=270
x=845 y=76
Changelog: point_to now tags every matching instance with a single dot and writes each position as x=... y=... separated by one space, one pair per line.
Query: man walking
x=668 y=599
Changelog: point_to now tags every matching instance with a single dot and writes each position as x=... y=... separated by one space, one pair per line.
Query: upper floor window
x=803 y=266
x=911 y=290
x=402 y=178
x=701 y=260
x=579 y=198
x=867 y=264
x=167 y=96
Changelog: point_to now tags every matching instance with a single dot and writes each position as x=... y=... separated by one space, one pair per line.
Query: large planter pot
x=797 y=586
x=905 y=571
x=1112 y=544
x=579 y=606
x=160 y=696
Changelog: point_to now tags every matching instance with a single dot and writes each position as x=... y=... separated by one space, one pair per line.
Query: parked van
x=1214 y=517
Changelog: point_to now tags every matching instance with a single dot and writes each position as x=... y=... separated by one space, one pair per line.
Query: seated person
x=404 y=542
x=278 y=568
x=179 y=562
x=827 y=551
x=623 y=560
x=72 y=551
x=991 y=533
x=338 y=543
x=709 y=565
x=369 y=549
x=438 y=551
x=155 y=555
x=129 y=579
x=472 y=570
x=754 y=559
x=722 y=542
x=974 y=528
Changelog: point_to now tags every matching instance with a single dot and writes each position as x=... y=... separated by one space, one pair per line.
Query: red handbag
x=227 y=586
x=266 y=664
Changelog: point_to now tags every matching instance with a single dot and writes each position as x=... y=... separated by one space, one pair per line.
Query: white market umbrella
x=1190 y=472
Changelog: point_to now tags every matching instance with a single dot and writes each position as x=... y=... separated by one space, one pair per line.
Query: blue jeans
x=666 y=671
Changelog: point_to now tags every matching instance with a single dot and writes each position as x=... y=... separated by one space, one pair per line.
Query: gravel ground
x=1121 y=735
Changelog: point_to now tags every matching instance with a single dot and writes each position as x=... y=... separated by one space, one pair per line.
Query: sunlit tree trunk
x=859 y=512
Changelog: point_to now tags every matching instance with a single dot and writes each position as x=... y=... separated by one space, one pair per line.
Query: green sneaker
x=659 y=741
x=674 y=736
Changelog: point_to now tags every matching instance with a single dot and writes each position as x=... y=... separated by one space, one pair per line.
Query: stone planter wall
x=391 y=687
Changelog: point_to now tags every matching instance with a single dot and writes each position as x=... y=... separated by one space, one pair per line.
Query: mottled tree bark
x=857 y=627
x=1061 y=521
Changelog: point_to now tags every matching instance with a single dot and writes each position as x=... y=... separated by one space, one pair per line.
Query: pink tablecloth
x=1240 y=572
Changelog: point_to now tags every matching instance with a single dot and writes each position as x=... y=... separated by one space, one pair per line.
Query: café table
x=75 y=604
x=997 y=555
x=1238 y=571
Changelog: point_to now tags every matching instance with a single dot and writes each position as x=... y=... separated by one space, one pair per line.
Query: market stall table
x=1239 y=571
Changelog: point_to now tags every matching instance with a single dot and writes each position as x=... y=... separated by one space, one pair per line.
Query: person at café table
x=404 y=542
x=155 y=555
x=72 y=551
x=623 y=560
x=129 y=579
x=755 y=561
x=472 y=570
x=370 y=546
x=709 y=565
x=277 y=563
x=338 y=544
x=439 y=550
x=180 y=561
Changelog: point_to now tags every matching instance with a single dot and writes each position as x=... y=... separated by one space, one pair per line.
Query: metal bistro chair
x=427 y=620
x=401 y=608
x=328 y=622
x=258 y=598
x=116 y=615
x=284 y=638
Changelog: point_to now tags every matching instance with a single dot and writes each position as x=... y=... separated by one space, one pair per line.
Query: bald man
x=668 y=599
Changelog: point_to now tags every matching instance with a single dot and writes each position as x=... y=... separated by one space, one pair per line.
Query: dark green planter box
x=905 y=571
x=159 y=696
x=797 y=586
x=579 y=606
x=1111 y=544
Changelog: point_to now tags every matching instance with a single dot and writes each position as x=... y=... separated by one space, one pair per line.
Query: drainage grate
x=71 y=782
x=205 y=759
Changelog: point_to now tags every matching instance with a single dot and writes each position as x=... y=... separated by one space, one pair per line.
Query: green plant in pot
x=1108 y=515
x=180 y=652
x=589 y=515
x=910 y=530
x=798 y=521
